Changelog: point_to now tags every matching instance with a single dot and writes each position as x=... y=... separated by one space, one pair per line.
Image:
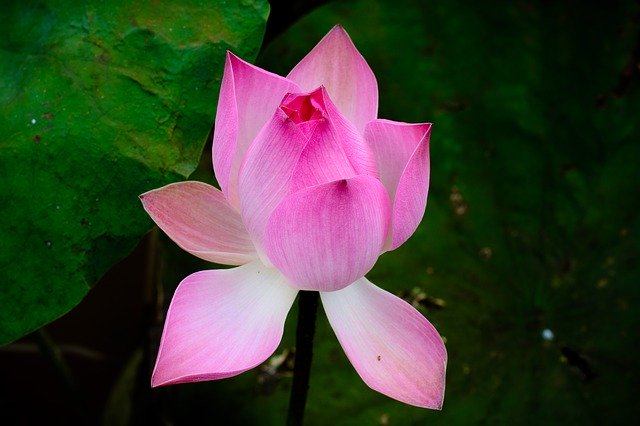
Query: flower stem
x=307 y=308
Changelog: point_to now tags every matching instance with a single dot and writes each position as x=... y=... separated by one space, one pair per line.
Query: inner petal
x=327 y=236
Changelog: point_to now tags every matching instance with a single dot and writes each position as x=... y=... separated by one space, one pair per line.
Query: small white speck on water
x=33 y=121
x=547 y=334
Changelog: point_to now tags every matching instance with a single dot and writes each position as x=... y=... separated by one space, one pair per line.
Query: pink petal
x=222 y=323
x=306 y=143
x=266 y=171
x=393 y=348
x=335 y=149
x=402 y=153
x=350 y=139
x=198 y=218
x=336 y=64
x=331 y=149
x=248 y=98
x=327 y=236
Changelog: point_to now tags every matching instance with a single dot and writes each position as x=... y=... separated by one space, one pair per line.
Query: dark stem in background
x=53 y=354
x=307 y=308
x=152 y=404
x=285 y=13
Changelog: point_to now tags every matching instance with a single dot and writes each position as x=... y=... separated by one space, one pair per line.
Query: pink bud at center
x=303 y=108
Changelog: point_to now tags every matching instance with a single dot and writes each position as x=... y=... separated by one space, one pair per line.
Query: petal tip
x=155 y=383
x=157 y=379
x=338 y=28
x=146 y=194
x=232 y=56
x=437 y=407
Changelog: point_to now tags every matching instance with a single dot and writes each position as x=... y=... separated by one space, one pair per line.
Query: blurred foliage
x=532 y=221
x=101 y=101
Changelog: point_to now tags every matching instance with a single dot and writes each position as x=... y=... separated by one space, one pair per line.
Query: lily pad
x=100 y=101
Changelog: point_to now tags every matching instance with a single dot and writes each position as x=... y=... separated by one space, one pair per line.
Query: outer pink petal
x=248 y=98
x=198 y=218
x=266 y=172
x=327 y=236
x=222 y=323
x=336 y=64
x=402 y=154
x=393 y=348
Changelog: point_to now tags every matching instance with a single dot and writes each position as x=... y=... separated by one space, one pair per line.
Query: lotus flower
x=314 y=187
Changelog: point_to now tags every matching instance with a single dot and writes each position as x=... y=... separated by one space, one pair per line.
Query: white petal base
x=221 y=323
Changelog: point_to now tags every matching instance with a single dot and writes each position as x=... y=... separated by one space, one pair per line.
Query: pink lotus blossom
x=314 y=188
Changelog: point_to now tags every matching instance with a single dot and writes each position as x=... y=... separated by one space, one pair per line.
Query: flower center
x=303 y=108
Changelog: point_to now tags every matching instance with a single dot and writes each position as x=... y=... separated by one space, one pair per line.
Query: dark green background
x=531 y=224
